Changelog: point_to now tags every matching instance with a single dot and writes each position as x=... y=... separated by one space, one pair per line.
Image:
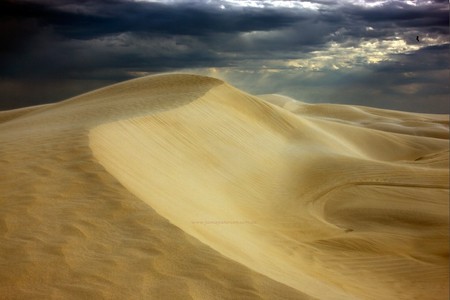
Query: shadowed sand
x=183 y=187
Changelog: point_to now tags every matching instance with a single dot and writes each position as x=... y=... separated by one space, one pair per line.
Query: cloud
x=317 y=47
x=95 y=19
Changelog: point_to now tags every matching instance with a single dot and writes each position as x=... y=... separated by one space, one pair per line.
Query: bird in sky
x=417 y=38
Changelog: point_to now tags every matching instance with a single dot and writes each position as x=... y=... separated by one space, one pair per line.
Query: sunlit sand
x=183 y=187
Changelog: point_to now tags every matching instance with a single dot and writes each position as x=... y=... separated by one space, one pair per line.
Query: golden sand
x=183 y=187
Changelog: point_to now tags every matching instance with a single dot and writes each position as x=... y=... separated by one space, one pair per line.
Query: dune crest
x=335 y=209
x=180 y=186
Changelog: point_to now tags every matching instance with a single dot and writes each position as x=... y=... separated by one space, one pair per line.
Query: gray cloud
x=340 y=52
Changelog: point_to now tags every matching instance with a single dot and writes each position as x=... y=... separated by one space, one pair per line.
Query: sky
x=359 y=52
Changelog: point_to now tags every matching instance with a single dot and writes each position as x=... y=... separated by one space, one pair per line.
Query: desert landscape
x=180 y=186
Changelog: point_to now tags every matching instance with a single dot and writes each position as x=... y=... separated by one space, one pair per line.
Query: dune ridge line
x=230 y=155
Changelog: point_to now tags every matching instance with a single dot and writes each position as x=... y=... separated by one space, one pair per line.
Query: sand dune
x=183 y=187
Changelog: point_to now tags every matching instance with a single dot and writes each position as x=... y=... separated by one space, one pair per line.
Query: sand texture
x=180 y=186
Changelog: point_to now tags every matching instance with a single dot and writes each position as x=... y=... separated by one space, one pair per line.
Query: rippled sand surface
x=184 y=187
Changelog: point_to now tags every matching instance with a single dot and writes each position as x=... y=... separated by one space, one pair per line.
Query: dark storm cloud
x=32 y=34
x=391 y=18
x=401 y=13
x=400 y=19
x=80 y=45
x=112 y=17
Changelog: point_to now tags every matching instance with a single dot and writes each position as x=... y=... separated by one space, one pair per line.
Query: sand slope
x=183 y=187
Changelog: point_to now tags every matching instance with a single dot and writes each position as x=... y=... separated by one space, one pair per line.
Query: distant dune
x=183 y=187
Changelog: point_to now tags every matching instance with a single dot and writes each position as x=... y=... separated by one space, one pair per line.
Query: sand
x=180 y=186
